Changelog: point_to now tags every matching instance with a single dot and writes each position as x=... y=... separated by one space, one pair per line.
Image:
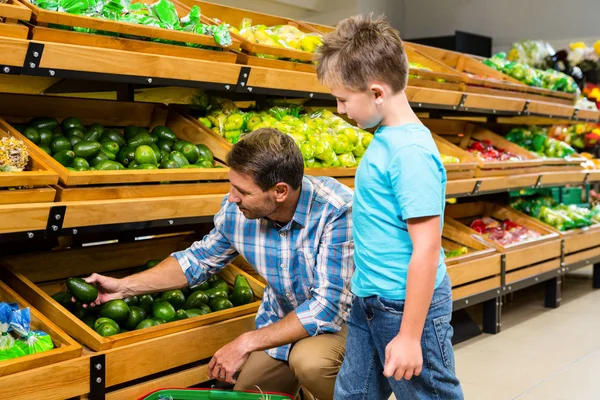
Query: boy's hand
x=403 y=358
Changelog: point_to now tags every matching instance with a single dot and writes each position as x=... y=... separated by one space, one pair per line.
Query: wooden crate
x=220 y=146
x=38 y=284
x=520 y=254
x=481 y=262
x=234 y=16
x=11 y=13
x=463 y=134
x=431 y=79
x=65 y=348
x=20 y=108
x=486 y=80
x=467 y=166
x=45 y=34
x=29 y=186
x=43 y=17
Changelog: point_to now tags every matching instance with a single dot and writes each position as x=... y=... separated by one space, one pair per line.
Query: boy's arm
x=416 y=176
x=403 y=355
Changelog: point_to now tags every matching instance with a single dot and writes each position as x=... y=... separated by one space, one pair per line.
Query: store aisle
x=541 y=354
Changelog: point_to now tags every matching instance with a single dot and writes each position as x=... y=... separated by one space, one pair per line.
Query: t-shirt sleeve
x=416 y=178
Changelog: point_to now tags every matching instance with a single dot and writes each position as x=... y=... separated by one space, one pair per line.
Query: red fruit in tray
x=477 y=146
x=508 y=225
x=479 y=226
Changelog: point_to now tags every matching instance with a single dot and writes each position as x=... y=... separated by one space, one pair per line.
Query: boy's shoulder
x=407 y=138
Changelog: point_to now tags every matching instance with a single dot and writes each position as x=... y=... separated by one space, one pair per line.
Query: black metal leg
x=492 y=312
x=596 y=276
x=553 y=292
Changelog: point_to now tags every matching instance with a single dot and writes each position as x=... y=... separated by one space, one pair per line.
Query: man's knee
x=313 y=363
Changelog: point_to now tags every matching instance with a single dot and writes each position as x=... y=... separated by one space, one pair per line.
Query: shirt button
x=282 y=265
x=289 y=296
x=282 y=234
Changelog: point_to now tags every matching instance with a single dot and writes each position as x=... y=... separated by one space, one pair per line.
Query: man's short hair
x=269 y=157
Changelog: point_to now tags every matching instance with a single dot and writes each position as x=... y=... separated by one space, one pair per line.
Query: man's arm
x=404 y=356
x=191 y=266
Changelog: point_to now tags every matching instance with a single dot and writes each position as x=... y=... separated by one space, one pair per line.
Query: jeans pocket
x=443 y=333
x=391 y=306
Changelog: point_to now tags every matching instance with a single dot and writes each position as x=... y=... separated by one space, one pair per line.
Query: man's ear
x=281 y=191
x=378 y=92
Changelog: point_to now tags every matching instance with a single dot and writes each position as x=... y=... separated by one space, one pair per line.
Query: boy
x=399 y=333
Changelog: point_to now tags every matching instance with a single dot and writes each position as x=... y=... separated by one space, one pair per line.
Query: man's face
x=250 y=198
x=358 y=106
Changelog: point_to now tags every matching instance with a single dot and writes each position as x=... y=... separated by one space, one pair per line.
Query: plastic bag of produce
x=220 y=33
x=193 y=18
x=8 y=348
x=165 y=11
x=556 y=219
x=73 y=6
x=50 y=5
x=35 y=342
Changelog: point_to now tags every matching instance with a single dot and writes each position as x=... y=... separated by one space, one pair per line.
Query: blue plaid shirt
x=307 y=264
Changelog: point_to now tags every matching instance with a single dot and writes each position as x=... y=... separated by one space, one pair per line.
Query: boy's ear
x=378 y=93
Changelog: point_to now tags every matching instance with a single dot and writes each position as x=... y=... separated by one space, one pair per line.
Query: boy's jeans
x=373 y=323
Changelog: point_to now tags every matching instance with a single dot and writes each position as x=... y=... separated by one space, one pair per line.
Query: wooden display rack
x=43 y=18
x=37 y=285
x=220 y=146
x=234 y=17
x=482 y=79
x=440 y=76
x=524 y=259
x=472 y=273
x=11 y=13
x=31 y=185
x=110 y=113
x=65 y=348
x=463 y=134
x=467 y=166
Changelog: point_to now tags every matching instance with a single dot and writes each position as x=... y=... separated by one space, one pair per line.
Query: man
x=297 y=233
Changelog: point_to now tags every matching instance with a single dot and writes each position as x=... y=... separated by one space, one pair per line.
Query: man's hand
x=403 y=358
x=108 y=289
x=228 y=360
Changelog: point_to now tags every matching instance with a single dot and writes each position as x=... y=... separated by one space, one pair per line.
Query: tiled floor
x=540 y=354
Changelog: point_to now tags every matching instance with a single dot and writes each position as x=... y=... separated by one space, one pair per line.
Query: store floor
x=541 y=354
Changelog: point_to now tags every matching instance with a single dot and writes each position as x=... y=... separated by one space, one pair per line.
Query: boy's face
x=362 y=107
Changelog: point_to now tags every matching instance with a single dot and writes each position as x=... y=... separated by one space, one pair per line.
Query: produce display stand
x=42 y=17
x=11 y=12
x=464 y=133
x=30 y=185
x=250 y=50
x=478 y=270
x=65 y=348
x=127 y=206
x=486 y=80
x=440 y=76
x=523 y=259
x=464 y=169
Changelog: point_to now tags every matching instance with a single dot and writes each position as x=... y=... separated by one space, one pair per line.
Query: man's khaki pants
x=313 y=365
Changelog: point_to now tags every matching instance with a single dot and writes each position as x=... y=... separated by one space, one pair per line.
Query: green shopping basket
x=212 y=394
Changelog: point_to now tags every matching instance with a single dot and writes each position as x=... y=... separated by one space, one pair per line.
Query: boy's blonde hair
x=361 y=50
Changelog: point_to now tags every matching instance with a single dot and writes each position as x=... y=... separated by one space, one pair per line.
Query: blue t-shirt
x=400 y=177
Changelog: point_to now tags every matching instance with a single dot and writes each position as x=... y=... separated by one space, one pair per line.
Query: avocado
x=113 y=135
x=180 y=314
x=219 y=283
x=107 y=329
x=196 y=312
x=241 y=295
x=110 y=146
x=43 y=123
x=132 y=301
x=195 y=299
x=130 y=132
x=45 y=137
x=32 y=134
x=163 y=133
x=218 y=304
x=86 y=149
x=205 y=152
x=104 y=320
x=81 y=290
x=141 y=139
x=179 y=144
x=89 y=320
x=136 y=315
x=179 y=158
x=60 y=143
x=175 y=297
x=147 y=323
x=146 y=302
x=163 y=309
x=82 y=163
x=115 y=309
x=145 y=155
x=64 y=299
x=216 y=292
x=70 y=123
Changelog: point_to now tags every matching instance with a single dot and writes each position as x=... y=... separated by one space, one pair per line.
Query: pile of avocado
x=139 y=312
x=96 y=148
